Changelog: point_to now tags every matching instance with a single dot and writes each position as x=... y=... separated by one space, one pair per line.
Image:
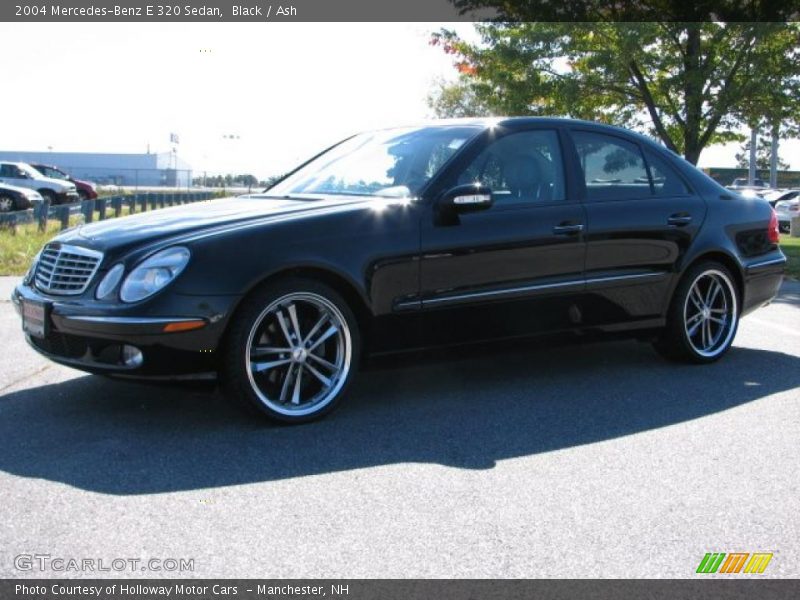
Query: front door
x=517 y=267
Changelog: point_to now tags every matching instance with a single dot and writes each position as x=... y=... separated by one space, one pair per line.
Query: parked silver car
x=786 y=211
x=775 y=196
x=23 y=175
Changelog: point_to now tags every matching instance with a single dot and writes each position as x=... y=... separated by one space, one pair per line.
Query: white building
x=164 y=169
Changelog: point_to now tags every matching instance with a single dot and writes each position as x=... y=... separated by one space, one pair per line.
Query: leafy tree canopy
x=690 y=84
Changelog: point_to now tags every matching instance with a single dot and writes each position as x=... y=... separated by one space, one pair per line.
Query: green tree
x=686 y=83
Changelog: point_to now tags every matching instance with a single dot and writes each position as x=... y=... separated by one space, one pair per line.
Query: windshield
x=51 y=172
x=391 y=162
x=30 y=172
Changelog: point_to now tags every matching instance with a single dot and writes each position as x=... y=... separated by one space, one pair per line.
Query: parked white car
x=21 y=174
x=787 y=210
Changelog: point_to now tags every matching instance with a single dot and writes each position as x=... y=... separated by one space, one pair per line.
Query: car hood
x=57 y=184
x=223 y=213
x=81 y=183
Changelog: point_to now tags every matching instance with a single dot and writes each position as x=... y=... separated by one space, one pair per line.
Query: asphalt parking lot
x=593 y=460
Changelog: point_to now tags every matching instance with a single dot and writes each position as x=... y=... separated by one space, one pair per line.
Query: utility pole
x=773 y=157
x=751 y=176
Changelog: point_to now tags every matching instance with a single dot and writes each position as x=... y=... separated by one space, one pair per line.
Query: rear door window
x=613 y=168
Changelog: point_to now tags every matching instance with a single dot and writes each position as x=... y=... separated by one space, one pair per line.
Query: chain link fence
x=132 y=178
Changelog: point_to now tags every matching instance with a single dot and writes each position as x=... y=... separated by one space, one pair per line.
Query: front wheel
x=703 y=316
x=49 y=195
x=7 y=203
x=291 y=351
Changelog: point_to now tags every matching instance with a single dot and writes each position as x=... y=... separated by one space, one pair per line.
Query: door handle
x=679 y=220
x=567 y=229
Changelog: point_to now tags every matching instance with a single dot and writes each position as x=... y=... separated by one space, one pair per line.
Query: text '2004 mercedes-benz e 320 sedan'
x=446 y=233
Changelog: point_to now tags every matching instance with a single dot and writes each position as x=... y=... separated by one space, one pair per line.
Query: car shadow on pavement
x=464 y=411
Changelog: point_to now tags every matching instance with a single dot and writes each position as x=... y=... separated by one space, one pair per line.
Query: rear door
x=641 y=219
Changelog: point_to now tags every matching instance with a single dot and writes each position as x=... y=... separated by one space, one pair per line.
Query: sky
x=283 y=90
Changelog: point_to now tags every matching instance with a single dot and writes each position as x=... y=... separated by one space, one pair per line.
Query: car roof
x=513 y=122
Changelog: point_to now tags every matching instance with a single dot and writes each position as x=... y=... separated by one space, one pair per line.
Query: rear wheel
x=703 y=317
x=291 y=351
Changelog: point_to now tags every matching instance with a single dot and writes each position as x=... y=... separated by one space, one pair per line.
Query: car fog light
x=132 y=356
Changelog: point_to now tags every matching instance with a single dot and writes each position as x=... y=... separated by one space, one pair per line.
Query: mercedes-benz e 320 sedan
x=450 y=232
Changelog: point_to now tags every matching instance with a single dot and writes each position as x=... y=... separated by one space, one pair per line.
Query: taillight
x=774 y=234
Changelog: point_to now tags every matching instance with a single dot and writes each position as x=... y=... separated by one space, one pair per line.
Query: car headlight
x=109 y=282
x=153 y=274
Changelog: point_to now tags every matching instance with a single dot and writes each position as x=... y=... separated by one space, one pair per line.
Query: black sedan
x=393 y=240
x=17 y=198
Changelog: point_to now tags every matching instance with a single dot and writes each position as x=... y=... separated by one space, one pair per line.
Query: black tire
x=684 y=339
x=258 y=327
x=83 y=195
x=7 y=203
x=49 y=195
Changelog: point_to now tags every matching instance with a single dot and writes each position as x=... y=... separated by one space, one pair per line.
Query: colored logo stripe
x=758 y=562
x=734 y=562
x=710 y=562
x=713 y=562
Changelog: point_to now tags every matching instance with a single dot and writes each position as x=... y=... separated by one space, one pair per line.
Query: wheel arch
x=724 y=259
x=340 y=283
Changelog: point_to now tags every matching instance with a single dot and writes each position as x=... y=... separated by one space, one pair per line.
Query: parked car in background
x=750 y=192
x=744 y=182
x=21 y=174
x=393 y=240
x=17 y=198
x=777 y=195
x=786 y=211
x=86 y=189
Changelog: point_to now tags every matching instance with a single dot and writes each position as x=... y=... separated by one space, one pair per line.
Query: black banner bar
x=218 y=11
x=370 y=589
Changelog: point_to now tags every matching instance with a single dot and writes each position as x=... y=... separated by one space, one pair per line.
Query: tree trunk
x=692 y=94
x=751 y=175
x=773 y=157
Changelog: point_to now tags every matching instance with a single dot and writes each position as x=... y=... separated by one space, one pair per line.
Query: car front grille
x=66 y=270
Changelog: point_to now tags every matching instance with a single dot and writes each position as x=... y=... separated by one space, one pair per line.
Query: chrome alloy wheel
x=299 y=352
x=6 y=204
x=710 y=313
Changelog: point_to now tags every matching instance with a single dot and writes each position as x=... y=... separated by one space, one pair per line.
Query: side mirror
x=470 y=197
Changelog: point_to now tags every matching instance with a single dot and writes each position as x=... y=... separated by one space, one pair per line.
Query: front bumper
x=89 y=336
x=67 y=197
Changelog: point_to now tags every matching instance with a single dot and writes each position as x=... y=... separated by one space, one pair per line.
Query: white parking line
x=782 y=328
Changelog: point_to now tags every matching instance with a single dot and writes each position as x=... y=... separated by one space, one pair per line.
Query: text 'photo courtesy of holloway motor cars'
x=400 y=239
